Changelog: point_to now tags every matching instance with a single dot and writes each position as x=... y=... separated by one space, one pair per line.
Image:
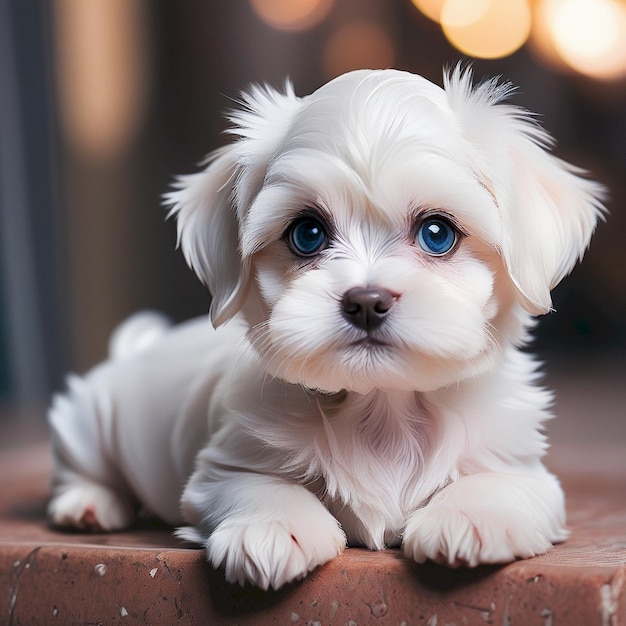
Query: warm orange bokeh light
x=487 y=29
x=292 y=14
x=430 y=8
x=102 y=73
x=588 y=36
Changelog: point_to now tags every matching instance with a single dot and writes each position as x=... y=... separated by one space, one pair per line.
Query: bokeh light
x=103 y=87
x=292 y=15
x=588 y=36
x=357 y=45
x=487 y=29
x=430 y=8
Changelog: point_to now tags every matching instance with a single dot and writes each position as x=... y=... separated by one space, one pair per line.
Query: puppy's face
x=378 y=245
x=381 y=278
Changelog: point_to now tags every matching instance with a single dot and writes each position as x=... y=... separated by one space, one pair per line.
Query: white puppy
x=378 y=249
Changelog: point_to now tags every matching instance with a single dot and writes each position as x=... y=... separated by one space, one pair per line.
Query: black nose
x=367 y=307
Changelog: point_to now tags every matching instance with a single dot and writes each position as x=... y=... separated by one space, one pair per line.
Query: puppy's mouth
x=369 y=341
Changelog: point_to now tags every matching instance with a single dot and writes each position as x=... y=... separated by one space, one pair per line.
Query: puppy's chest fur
x=370 y=459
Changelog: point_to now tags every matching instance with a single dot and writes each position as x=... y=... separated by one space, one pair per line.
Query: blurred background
x=102 y=102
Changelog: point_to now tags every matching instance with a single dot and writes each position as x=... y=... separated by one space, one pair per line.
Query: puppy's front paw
x=90 y=507
x=273 y=553
x=471 y=536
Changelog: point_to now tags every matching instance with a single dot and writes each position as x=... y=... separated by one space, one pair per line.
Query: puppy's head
x=384 y=232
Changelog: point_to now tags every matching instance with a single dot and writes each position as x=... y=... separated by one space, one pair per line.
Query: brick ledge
x=146 y=576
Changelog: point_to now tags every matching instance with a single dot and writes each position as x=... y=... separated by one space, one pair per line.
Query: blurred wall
x=116 y=97
x=31 y=346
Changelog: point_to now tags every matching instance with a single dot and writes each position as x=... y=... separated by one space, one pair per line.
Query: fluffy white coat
x=282 y=428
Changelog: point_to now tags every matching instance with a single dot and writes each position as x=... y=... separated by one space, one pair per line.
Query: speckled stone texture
x=146 y=576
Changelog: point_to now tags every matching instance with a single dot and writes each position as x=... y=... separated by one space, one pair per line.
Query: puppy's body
x=380 y=248
x=135 y=425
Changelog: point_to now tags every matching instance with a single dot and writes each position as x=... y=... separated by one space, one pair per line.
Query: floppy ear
x=208 y=232
x=548 y=209
x=211 y=206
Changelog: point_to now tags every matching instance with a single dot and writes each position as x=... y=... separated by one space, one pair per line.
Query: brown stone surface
x=146 y=576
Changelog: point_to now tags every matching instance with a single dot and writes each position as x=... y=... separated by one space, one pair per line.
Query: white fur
x=281 y=434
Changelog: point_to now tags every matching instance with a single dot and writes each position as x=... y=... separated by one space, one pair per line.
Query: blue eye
x=307 y=236
x=436 y=236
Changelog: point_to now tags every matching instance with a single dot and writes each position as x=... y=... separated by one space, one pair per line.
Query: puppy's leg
x=488 y=518
x=80 y=503
x=260 y=529
x=87 y=490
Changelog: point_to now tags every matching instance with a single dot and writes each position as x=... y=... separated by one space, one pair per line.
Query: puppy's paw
x=273 y=553
x=471 y=536
x=90 y=507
